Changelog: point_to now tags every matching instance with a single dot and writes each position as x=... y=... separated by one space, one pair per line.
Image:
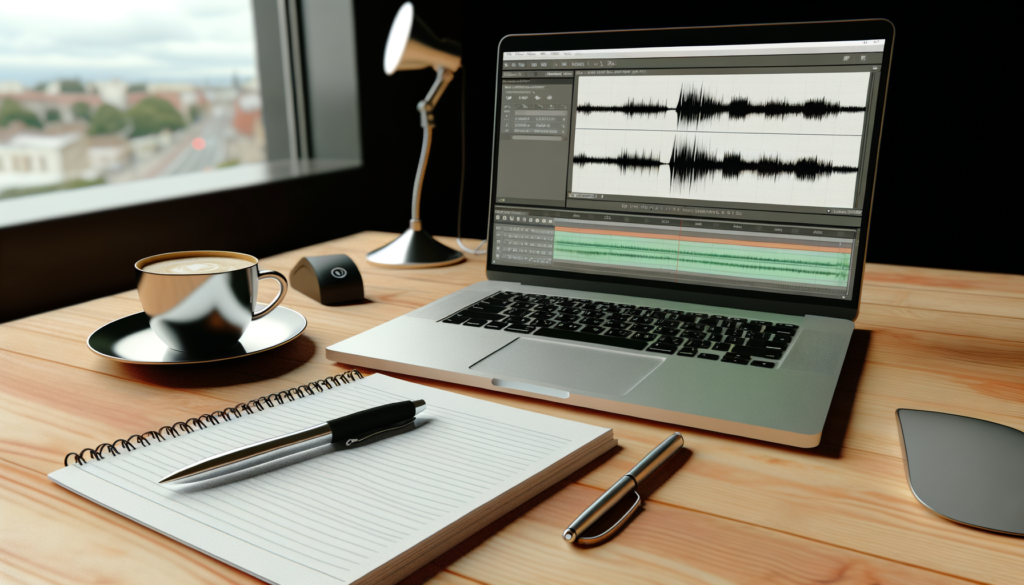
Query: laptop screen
x=735 y=166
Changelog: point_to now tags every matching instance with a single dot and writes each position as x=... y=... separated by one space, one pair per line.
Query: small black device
x=330 y=280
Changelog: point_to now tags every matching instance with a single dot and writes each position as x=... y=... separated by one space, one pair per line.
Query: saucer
x=130 y=340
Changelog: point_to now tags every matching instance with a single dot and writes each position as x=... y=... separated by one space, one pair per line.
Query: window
x=104 y=93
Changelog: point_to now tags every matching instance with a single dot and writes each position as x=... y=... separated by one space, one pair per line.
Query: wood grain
x=738 y=511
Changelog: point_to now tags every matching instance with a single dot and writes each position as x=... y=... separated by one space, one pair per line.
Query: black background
x=940 y=192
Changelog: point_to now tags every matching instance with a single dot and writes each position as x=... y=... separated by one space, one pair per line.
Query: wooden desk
x=738 y=511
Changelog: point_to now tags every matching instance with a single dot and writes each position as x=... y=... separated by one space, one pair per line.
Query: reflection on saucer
x=131 y=340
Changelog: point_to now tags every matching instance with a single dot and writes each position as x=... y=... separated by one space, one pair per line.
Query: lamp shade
x=412 y=45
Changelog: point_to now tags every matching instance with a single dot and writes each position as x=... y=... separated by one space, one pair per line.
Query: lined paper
x=335 y=517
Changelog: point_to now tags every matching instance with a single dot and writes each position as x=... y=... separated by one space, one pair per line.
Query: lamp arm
x=426 y=109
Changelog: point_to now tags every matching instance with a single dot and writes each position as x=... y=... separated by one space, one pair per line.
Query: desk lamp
x=412 y=45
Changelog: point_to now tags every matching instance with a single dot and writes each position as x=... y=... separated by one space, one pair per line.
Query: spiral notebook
x=371 y=514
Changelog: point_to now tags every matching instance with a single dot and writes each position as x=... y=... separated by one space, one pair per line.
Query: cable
x=462 y=180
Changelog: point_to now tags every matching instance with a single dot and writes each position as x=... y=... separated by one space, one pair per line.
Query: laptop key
x=762 y=364
x=782 y=338
x=662 y=348
x=567 y=326
x=495 y=325
x=642 y=328
x=758 y=352
x=687 y=352
x=707 y=356
x=488 y=308
x=734 y=339
x=455 y=320
x=520 y=328
x=735 y=358
x=618 y=333
x=591 y=338
x=767 y=344
x=714 y=338
x=645 y=336
x=698 y=344
x=518 y=320
x=593 y=330
x=467 y=313
x=722 y=347
x=474 y=322
x=544 y=323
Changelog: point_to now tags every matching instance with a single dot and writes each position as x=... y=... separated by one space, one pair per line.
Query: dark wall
x=48 y=265
x=935 y=181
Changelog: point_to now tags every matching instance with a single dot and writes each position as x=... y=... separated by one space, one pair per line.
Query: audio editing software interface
x=739 y=166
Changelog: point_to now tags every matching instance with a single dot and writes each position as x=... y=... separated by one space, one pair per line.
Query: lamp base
x=414 y=249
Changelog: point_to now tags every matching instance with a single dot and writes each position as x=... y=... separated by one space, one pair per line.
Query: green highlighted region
x=782 y=265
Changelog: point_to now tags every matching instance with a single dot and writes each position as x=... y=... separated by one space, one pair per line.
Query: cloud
x=128 y=39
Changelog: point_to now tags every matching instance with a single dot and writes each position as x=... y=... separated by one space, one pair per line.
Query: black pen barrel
x=358 y=424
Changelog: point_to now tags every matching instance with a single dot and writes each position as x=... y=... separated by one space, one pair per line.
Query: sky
x=131 y=40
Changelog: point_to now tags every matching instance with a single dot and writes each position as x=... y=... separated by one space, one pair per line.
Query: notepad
x=369 y=514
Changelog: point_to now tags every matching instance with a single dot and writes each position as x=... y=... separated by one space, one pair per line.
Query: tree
x=11 y=110
x=107 y=120
x=52 y=115
x=71 y=86
x=195 y=112
x=81 y=111
x=154 y=114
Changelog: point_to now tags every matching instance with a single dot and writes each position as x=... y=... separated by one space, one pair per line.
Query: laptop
x=678 y=225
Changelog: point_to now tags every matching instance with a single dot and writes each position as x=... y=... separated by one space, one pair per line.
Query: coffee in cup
x=203 y=301
x=197 y=265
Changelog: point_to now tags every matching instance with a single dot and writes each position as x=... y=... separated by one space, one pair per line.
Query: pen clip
x=374 y=433
x=598 y=539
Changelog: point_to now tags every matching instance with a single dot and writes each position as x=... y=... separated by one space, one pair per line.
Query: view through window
x=113 y=91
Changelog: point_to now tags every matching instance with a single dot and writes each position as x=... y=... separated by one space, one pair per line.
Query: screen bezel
x=697 y=36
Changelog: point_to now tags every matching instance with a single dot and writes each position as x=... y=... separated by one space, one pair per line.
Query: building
x=113 y=92
x=38 y=159
x=249 y=143
x=9 y=87
x=41 y=102
x=109 y=152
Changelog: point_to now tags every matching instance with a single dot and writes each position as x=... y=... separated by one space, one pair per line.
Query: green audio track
x=783 y=265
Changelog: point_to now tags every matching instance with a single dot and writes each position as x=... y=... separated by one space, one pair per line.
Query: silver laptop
x=678 y=226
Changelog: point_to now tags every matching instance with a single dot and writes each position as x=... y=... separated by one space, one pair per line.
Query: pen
x=350 y=429
x=619 y=490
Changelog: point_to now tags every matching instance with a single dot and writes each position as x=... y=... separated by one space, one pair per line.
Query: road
x=215 y=131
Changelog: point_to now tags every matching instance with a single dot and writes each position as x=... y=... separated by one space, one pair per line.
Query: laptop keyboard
x=696 y=335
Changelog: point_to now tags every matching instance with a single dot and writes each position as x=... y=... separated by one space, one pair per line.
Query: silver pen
x=628 y=483
x=350 y=429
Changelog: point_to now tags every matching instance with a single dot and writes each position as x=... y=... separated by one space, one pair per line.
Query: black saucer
x=130 y=340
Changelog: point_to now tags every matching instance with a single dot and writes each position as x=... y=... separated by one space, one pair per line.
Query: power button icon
x=339 y=272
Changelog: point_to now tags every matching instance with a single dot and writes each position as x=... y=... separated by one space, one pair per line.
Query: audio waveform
x=695 y=106
x=766 y=263
x=690 y=163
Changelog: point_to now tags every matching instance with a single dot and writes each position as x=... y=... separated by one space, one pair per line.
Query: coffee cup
x=204 y=300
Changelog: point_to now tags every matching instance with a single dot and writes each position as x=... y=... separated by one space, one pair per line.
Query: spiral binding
x=202 y=420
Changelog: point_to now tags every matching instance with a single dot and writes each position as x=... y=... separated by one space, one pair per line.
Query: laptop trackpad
x=556 y=369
